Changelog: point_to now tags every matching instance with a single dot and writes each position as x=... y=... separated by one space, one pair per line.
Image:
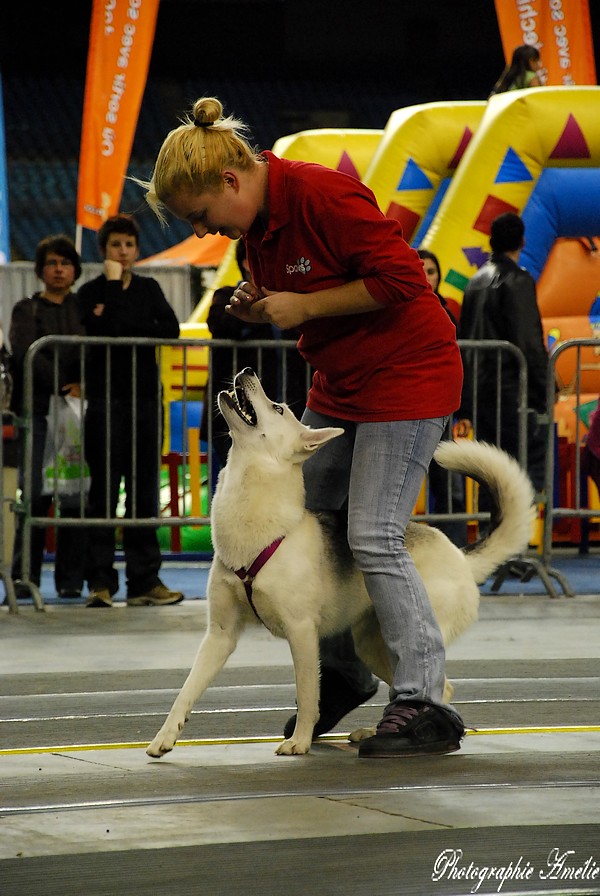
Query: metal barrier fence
x=579 y=489
x=185 y=458
x=178 y=519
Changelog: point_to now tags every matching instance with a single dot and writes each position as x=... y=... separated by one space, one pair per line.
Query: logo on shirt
x=302 y=266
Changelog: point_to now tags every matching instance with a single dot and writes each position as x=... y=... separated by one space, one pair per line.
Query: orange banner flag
x=560 y=29
x=121 y=38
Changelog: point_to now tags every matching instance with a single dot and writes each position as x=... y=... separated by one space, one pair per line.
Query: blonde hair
x=194 y=154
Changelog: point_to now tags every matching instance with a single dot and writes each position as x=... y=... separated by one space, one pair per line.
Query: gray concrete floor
x=84 y=810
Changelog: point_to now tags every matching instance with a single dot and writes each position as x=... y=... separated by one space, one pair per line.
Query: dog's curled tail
x=512 y=495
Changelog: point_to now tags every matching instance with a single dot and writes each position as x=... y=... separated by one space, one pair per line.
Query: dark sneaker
x=22 y=591
x=413 y=729
x=337 y=699
x=69 y=592
x=101 y=597
x=159 y=596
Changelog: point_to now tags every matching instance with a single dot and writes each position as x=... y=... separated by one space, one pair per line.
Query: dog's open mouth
x=239 y=402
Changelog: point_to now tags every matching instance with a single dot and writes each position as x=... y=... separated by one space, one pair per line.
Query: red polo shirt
x=326 y=229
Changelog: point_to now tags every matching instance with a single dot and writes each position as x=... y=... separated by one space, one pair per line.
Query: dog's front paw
x=293 y=747
x=361 y=734
x=162 y=743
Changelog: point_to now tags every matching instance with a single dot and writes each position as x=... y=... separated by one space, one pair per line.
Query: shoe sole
x=152 y=602
x=411 y=752
x=98 y=602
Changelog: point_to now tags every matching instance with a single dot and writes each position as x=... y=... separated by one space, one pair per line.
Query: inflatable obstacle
x=522 y=135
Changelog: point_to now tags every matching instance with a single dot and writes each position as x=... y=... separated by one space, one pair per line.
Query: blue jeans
x=378 y=468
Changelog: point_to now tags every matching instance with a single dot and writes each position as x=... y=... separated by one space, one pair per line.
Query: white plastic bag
x=64 y=467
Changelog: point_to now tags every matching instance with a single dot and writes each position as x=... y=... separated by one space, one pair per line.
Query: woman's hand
x=290 y=309
x=245 y=294
x=242 y=300
x=283 y=309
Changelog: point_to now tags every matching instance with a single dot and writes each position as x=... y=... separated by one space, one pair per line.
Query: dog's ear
x=315 y=438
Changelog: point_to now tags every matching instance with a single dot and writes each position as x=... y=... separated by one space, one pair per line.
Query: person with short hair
x=325 y=259
x=53 y=311
x=122 y=433
x=500 y=303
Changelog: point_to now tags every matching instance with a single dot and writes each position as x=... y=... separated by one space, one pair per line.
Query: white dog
x=279 y=563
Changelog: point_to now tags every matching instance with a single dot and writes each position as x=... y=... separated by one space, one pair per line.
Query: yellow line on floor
x=221 y=741
x=537 y=729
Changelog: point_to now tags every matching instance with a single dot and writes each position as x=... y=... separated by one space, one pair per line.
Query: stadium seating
x=43 y=133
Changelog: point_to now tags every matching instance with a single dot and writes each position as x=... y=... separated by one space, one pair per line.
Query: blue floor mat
x=581 y=571
x=189 y=577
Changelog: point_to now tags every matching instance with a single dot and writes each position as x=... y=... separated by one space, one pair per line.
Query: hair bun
x=206 y=111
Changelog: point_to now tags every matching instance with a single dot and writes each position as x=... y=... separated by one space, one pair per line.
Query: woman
x=447 y=489
x=432 y=269
x=525 y=70
x=52 y=311
x=387 y=370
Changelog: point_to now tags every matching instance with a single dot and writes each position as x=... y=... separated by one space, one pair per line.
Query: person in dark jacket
x=226 y=362
x=51 y=311
x=500 y=303
x=122 y=429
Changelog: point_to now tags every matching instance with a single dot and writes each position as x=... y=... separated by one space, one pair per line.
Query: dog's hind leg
x=217 y=646
x=370 y=646
x=448 y=691
x=303 y=639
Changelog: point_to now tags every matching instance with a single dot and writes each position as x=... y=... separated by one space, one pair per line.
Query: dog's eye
x=278 y=408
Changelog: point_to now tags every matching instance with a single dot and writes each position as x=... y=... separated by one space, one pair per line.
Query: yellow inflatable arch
x=419 y=152
x=521 y=134
x=349 y=150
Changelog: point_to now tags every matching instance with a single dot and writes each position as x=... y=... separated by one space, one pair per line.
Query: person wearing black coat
x=500 y=304
x=53 y=311
x=123 y=427
x=281 y=382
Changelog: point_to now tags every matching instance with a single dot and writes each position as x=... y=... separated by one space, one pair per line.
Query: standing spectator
x=51 y=311
x=525 y=70
x=433 y=272
x=122 y=429
x=325 y=259
x=225 y=362
x=500 y=303
x=447 y=488
x=268 y=363
x=591 y=451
